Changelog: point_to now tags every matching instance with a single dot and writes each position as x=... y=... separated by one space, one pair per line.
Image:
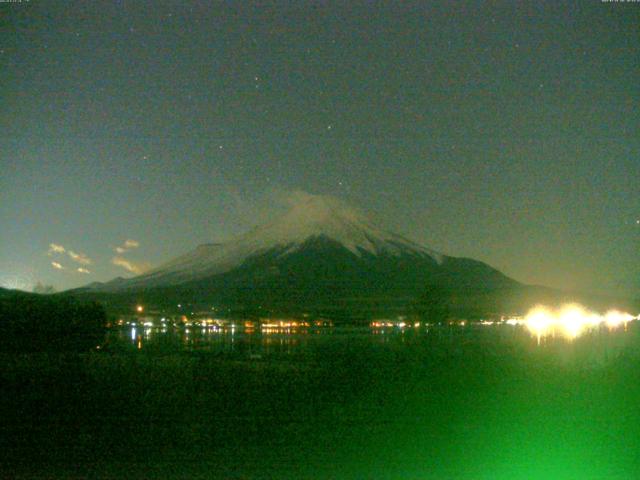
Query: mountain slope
x=321 y=272
x=321 y=252
x=313 y=217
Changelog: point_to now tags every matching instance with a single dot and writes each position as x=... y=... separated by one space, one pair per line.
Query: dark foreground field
x=485 y=406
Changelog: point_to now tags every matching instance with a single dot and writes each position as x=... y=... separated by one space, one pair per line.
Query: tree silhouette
x=36 y=323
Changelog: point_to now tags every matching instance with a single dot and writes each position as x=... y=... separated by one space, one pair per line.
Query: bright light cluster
x=570 y=321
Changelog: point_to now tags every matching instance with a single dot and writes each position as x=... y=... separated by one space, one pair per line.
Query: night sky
x=506 y=132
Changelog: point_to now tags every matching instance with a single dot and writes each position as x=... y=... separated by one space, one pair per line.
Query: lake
x=472 y=402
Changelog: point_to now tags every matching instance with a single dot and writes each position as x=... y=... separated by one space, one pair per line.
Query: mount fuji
x=320 y=253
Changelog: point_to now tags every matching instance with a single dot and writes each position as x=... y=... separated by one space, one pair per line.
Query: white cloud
x=79 y=257
x=130 y=266
x=57 y=265
x=127 y=245
x=55 y=248
x=82 y=270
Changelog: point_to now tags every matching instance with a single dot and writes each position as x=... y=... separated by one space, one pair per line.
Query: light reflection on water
x=447 y=340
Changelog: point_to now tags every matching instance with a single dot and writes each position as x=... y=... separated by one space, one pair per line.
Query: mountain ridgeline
x=325 y=258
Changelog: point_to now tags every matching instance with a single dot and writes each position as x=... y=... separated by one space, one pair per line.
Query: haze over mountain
x=321 y=252
x=313 y=222
x=311 y=217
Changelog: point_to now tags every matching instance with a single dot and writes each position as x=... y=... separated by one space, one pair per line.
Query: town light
x=570 y=321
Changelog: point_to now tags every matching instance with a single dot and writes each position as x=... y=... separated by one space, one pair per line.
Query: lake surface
x=299 y=343
x=473 y=402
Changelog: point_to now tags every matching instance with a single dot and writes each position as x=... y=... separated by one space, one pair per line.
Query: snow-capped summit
x=318 y=215
x=310 y=216
x=320 y=253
